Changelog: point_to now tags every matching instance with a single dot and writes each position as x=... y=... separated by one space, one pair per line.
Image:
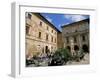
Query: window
x=27 y=29
x=39 y=34
x=67 y=39
x=75 y=39
x=29 y=16
x=52 y=31
x=83 y=38
x=51 y=38
x=40 y=23
x=47 y=28
x=46 y=37
x=55 y=40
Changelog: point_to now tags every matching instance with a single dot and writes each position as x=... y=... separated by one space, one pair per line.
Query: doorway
x=46 y=49
x=85 y=48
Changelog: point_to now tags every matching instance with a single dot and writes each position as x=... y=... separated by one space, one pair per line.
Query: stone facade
x=59 y=40
x=76 y=36
x=41 y=35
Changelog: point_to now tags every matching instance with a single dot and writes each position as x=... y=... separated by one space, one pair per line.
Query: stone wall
x=40 y=37
x=76 y=36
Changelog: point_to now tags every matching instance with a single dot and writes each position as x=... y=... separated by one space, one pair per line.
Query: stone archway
x=76 y=48
x=85 y=48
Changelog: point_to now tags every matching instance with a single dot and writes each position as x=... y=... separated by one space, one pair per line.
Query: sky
x=59 y=20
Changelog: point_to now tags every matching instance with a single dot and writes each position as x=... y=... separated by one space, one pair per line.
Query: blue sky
x=59 y=20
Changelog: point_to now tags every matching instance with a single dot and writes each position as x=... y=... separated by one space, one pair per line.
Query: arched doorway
x=85 y=48
x=68 y=48
x=76 y=48
x=46 y=49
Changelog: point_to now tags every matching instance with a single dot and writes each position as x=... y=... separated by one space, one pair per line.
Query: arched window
x=83 y=38
x=47 y=37
x=39 y=34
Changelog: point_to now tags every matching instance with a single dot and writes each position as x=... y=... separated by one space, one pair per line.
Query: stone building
x=41 y=35
x=76 y=36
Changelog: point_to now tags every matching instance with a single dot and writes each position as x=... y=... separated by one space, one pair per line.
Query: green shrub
x=63 y=53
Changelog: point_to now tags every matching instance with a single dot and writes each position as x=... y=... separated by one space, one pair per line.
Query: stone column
x=72 y=46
